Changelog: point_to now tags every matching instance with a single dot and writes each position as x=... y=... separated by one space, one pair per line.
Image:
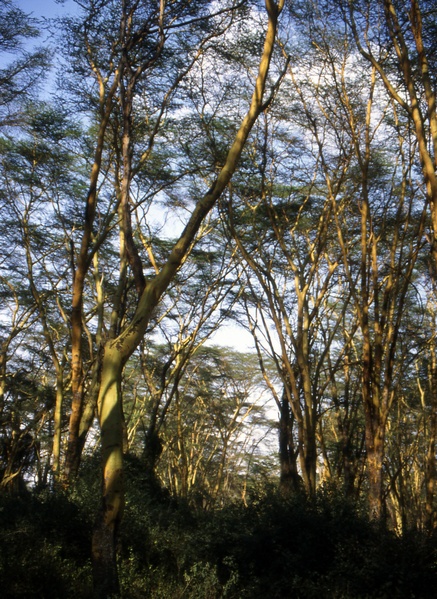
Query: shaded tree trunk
x=290 y=480
x=374 y=461
x=430 y=459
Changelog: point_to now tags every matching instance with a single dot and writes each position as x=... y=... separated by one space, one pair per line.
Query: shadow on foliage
x=44 y=548
x=275 y=547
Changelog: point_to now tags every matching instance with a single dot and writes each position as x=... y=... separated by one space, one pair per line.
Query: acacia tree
x=207 y=438
x=378 y=212
x=387 y=237
x=287 y=252
x=398 y=40
x=282 y=216
x=411 y=438
x=20 y=76
x=342 y=431
x=38 y=175
x=137 y=44
x=132 y=76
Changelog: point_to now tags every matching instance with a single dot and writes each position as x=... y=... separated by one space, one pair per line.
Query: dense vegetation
x=274 y=546
x=175 y=173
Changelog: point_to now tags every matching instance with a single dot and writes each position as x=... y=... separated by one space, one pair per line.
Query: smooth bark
x=117 y=351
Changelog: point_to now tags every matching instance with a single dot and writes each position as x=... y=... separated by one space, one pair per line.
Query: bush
x=276 y=547
x=44 y=548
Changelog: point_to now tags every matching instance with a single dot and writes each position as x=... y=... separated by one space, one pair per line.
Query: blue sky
x=44 y=8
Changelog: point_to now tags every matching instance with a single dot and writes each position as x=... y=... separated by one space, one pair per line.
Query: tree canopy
x=171 y=170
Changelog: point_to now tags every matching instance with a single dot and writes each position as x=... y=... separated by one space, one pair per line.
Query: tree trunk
x=375 y=456
x=117 y=351
x=290 y=480
x=430 y=460
x=57 y=421
x=84 y=260
x=109 y=517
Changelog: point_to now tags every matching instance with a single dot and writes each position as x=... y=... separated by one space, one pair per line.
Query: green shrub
x=44 y=548
x=276 y=547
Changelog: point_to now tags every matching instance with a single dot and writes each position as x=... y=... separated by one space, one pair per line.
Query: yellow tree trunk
x=117 y=351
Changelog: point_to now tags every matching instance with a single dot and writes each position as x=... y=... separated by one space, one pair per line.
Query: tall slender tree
x=135 y=45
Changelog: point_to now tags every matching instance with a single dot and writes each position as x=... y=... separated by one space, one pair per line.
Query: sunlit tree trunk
x=116 y=352
x=108 y=520
x=84 y=261
x=58 y=364
x=419 y=102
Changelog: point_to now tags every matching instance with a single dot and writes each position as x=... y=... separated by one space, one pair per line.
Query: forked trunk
x=117 y=351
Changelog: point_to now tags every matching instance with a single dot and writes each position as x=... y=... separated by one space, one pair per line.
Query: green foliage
x=301 y=182
x=44 y=548
x=21 y=71
x=275 y=547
